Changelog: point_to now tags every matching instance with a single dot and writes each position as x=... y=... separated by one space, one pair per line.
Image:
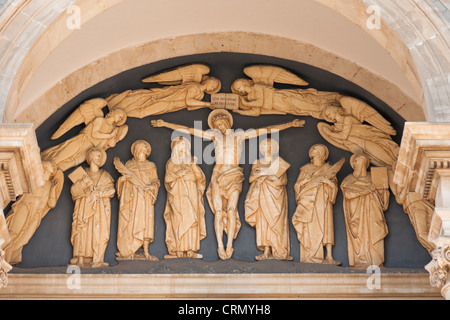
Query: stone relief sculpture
x=364 y=206
x=5 y=267
x=259 y=97
x=349 y=132
x=226 y=182
x=266 y=206
x=316 y=190
x=420 y=213
x=137 y=191
x=101 y=132
x=186 y=89
x=92 y=192
x=27 y=213
x=185 y=209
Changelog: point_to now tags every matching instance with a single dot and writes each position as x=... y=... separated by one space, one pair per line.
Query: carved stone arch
x=413 y=34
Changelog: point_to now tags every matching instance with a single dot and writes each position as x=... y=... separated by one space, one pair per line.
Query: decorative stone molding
x=238 y=42
x=420 y=51
x=20 y=162
x=424 y=168
x=218 y=286
x=439 y=267
x=20 y=172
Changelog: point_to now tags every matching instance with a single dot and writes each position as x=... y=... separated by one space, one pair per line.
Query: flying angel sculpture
x=349 y=131
x=101 y=131
x=186 y=88
x=258 y=96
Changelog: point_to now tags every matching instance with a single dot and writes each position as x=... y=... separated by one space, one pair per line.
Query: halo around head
x=123 y=113
x=141 y=143
x=217 y=87
x=275 y=147
x=180 y=140
x=92 y=150
x=359 y=155
x=220 y=114
x=323 y=150
x=335 y=110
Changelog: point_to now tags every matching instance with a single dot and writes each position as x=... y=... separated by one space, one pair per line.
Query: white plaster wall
x=134 y=22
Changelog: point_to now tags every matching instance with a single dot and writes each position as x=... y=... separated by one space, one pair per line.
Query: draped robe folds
x=146 y=102
x=227 y=179
x=136 y=211
x=361 y=138
x=313 y=219
x=364 y=208
x=300 y=102
x=72 y=152
x=185 y=210
x=92 y=217
x=266 y=209
x=26 y=216
x=4 y=240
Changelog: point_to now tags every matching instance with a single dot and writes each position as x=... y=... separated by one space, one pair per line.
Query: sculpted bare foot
x=222 y=253
x=230 y=252
x=332 y=261
x=149 y=257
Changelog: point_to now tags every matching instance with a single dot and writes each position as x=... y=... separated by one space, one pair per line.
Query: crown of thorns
x=221 y=116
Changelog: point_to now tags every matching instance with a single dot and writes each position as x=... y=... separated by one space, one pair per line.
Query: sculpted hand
x=158 y=123
x=298 y=123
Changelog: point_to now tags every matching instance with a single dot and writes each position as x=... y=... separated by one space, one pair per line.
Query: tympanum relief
x=355 y=127
x=226 y=182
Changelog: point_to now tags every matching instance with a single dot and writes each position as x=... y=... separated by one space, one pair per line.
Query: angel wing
x=272 y=74
x=365 y=113
x=86 y=113
x=192 y=73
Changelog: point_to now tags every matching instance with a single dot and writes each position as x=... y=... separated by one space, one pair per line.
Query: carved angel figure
x=266 y=206
x=102 y=132
x=186 y=89
x=351 y=134
x=27 y=213
x=420 y=213
x=91 y=224
x=137 y=190
x=185 y=209
x=258 y=96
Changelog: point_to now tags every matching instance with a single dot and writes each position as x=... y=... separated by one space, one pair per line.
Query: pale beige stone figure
x=316 y=190
x=92 y=194
x=258 y=96
x=227 y=178
x=364 y=206
x=185 y=209
x=137 y=190
x=266 y=206
x=29 y=210
x=187 y=87
x=349 y=133
x=5 y=267
x=420 y=213
x=100 y=132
